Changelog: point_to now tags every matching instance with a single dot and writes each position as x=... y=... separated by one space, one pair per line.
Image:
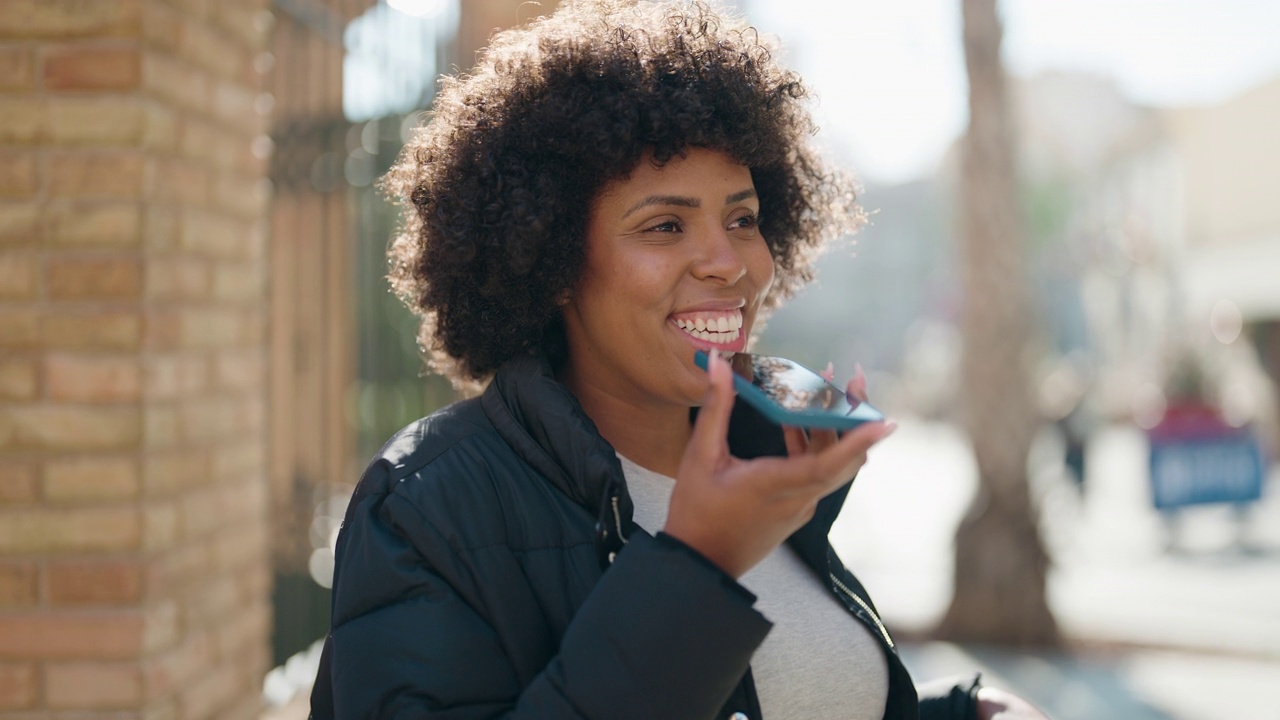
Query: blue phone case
x=845 y=417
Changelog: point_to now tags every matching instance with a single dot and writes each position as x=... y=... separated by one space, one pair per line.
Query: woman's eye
x=670 y=226
x=746 y=221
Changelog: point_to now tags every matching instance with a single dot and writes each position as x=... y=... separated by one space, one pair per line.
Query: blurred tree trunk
x=1000 y=561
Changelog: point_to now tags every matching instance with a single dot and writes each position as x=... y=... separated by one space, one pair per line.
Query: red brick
x=243 y=22
x=176 y=82
x=19 y=276
x=210 y=144
x=100 y=122
x=246 y=199
x=92 y=685
x=79 y=67
x=19 y=585
x=17 y=69
x=94 y=379
x=236 y=283
x=161 y=525
x=175 y=668
x=162 y=28
x=202 y=511
x=19 y=329
x=168 y=377
x=211 y=50
x=178 y=568
x=19 y=380
x=94 y=582
x=101 y=330
x=94 y=278
x=18 y=174
x=177 y=278
x=213 y=603
x=95 y=225
x=161 y=427
x=19 y=223
x=214 y=689
x=243 y=629
x=44 y=530
x=91 y=479
x=165 y=473
x=240 y=369
x=68 y=635
x=212 y=329
x=106 y=174
x=179 y=181
x=17 y=482
x=162 y=627
x=21 y=119
x=160 y=229
x=211 y=419
x=243 y=548
x=70 y=18
x=75 y=428
x=163 y=329
x=161 y=128
x=233 y=104
x=19 y=685
x=214 y=235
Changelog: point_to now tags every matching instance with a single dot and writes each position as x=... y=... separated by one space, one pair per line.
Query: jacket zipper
x=854 y=597
x=617 y=523
x=617 y=519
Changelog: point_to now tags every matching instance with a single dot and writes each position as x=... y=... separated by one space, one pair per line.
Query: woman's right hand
x=735 y=512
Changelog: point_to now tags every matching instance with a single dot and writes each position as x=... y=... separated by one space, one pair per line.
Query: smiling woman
x=615 y=187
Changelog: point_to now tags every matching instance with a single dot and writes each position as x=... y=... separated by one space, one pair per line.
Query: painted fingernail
x=830 y=373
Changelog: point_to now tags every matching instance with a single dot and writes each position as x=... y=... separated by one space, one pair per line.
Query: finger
x=857 y=387
x=829 y=374
x=820 y=439
x=712 y=426
x=831 y=464
x=797 y=441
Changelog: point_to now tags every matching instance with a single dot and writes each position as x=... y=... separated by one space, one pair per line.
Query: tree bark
x=1000 y=561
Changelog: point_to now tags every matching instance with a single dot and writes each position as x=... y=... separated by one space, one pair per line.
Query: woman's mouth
x=720 y=328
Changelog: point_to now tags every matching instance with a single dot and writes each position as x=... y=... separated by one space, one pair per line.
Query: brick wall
x=134 y=571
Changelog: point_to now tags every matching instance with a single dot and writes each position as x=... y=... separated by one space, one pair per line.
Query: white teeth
x=720 y=330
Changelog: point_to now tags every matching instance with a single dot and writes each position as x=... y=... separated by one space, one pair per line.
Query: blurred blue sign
x=1196 y=458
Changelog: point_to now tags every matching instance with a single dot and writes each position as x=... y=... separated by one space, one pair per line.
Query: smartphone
x=788 y=393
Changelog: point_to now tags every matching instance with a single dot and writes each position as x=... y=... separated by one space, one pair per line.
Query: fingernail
x=859 y=376
x=830 y=373
x=890 y=428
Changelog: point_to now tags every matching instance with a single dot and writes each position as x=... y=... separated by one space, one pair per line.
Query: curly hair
x=498 y=186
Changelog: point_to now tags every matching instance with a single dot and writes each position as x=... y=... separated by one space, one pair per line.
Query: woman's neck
x=651 y=435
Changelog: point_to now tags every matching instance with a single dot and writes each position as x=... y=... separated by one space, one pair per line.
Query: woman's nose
x=719 y=258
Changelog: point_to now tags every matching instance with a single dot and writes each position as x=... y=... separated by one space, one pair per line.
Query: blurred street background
x=198 y=349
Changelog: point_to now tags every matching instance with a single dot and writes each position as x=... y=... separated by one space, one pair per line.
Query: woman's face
x=674 y=263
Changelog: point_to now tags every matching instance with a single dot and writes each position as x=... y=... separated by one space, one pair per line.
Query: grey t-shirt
x=818 y=662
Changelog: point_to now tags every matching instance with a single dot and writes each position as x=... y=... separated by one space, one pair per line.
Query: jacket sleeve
x=663 y=634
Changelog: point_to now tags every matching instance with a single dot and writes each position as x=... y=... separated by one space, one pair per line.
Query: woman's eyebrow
x=685 y=201
x=680 y=200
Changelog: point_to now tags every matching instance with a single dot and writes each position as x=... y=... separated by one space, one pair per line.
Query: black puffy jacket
x=488 y=567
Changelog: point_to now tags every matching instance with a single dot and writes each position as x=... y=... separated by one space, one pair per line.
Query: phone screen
x=791 y=394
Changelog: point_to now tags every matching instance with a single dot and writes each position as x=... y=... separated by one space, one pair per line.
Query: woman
x=615 y=187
